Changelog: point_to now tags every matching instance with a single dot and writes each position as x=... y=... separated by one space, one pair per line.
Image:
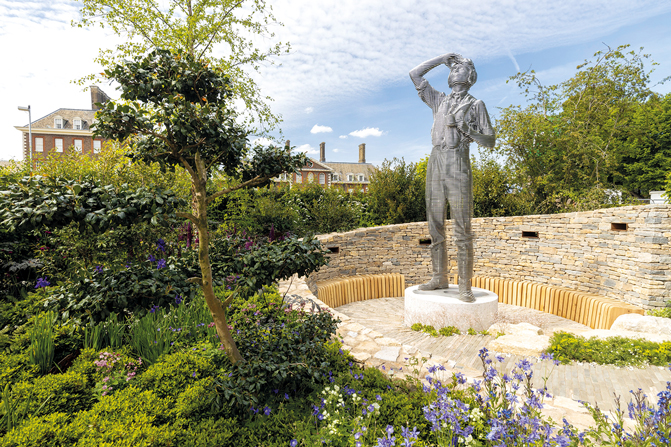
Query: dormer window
x=350 y=177
x=361 y=177
x=58 y=122
x=334 y=178
x=77 y=124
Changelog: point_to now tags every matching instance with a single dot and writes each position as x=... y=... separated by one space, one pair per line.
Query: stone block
x=388 y=353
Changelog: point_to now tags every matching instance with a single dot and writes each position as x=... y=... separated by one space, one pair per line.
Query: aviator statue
x=458 y=119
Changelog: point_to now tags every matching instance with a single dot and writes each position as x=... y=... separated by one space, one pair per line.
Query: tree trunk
x=216 y=308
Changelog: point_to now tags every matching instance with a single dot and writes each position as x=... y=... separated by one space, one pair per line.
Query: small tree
x=174 y=109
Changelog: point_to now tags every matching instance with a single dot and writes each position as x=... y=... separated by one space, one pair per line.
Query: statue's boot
x=465 y=268
x=439 y=280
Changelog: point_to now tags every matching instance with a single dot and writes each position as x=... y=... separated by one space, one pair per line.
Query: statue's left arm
x=482 y=131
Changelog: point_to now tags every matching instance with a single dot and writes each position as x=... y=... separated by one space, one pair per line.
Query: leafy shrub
x=168 y=377
x=664 y=312
x=212 y=432
x=449 y=330
x=196 y=401
x=68 y=393
x=284 y=349
x=128 y=418
x=41 y=431
x=16 y=367
x=619 y=351
x=134 y=289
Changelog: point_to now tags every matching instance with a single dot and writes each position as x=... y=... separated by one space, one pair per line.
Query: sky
x=345 y=80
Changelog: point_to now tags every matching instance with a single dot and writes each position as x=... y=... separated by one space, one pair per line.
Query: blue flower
x=293 y=443
x=98 y=269
x=266 y=411
x=161 y=264
x=178 y=299
x=151 y=258
x=42 y=282
x=286 y=396
x=160 y=245
x=153 y=308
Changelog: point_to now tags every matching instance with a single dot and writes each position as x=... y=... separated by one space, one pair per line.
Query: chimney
x=97 y=95
x=287 y=146
x=322 y=152
x=362 y=153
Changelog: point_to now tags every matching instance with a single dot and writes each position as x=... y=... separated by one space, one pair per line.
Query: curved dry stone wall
x=622 y=253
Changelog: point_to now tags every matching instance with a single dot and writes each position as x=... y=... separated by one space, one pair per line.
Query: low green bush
x=209 y=432
x=68 y=393
x=664 y=312
x=16 y=367
x=173 y=373
x=618 y=351
x=448 y=331
x=41 y=431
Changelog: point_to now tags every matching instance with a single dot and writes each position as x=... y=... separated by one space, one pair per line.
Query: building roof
x=342 y=169
x=47 y=122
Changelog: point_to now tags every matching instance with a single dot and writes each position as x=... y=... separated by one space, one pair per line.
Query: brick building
x=344 y=175
x=64 y=129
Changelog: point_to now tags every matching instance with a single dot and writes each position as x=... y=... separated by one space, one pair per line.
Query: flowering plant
x=116 y=372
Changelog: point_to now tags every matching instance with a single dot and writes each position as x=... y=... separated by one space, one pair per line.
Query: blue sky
x=347 y=71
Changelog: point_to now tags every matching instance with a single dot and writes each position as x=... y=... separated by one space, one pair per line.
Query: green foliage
x=644 y=158
x=129 y=290
x=260 y=261
x=664 y=312
x=213 y=432
x=287 y=350
x=173 y=373
x=16 y=367
x=34 y=202
x=448 y=331
x=618 y=351
x=41 y=350
x=196 y=400
x=396 y=194
x=69 y=392
x=196 y=28
x=570 y=137
x=41 y=431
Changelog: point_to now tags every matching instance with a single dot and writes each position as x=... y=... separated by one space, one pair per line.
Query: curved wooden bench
x=340 y=291
x=592 y=310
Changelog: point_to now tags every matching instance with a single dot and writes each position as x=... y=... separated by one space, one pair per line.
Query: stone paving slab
x=374 y=333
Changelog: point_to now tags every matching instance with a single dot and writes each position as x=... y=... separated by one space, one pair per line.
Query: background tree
x=201 y=28
x=567 y=140
x=644 y=156
x=175 y=109
x=396 y=193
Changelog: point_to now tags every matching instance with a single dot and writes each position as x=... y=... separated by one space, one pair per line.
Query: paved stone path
x=579 y=382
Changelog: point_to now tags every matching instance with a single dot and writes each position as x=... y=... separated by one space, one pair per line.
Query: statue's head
x=462 y=71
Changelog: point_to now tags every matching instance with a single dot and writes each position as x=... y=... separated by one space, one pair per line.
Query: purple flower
x=161 y=264
x=178 y=299
x=266 y=411
x=42 y=282
x=160 y=245
x=286 y=396
x=193 y=375
x=293 y=443
x=98 y=269
x=151 y=258
x=153 y=308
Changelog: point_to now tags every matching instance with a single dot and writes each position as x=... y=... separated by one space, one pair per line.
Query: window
x=361 y=177
x=58 y=122
x=58 y=144
x=350 y=177
x=78 y=144
x=311 y=177
x=39 y=144
x=299 y=177
x=310 y=164
x=97 y=145
x=77 y=124
x=334 y=177
x=322 y=179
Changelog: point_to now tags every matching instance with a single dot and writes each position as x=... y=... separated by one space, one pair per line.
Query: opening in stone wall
x=619 y=226
x=530 y=234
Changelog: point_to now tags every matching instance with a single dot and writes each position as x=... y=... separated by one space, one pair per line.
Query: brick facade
x=622 y=253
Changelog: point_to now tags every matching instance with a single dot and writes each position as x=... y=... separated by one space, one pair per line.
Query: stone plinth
x=442 y=307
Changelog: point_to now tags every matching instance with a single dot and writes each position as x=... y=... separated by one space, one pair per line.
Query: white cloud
x=320 y=129
x=309 y=109
x=263 y=142
x=367 y=132
x=342 y=136
x=306 y=148
x=336 y=150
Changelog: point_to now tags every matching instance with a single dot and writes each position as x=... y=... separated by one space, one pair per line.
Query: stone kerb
x=620 y=253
